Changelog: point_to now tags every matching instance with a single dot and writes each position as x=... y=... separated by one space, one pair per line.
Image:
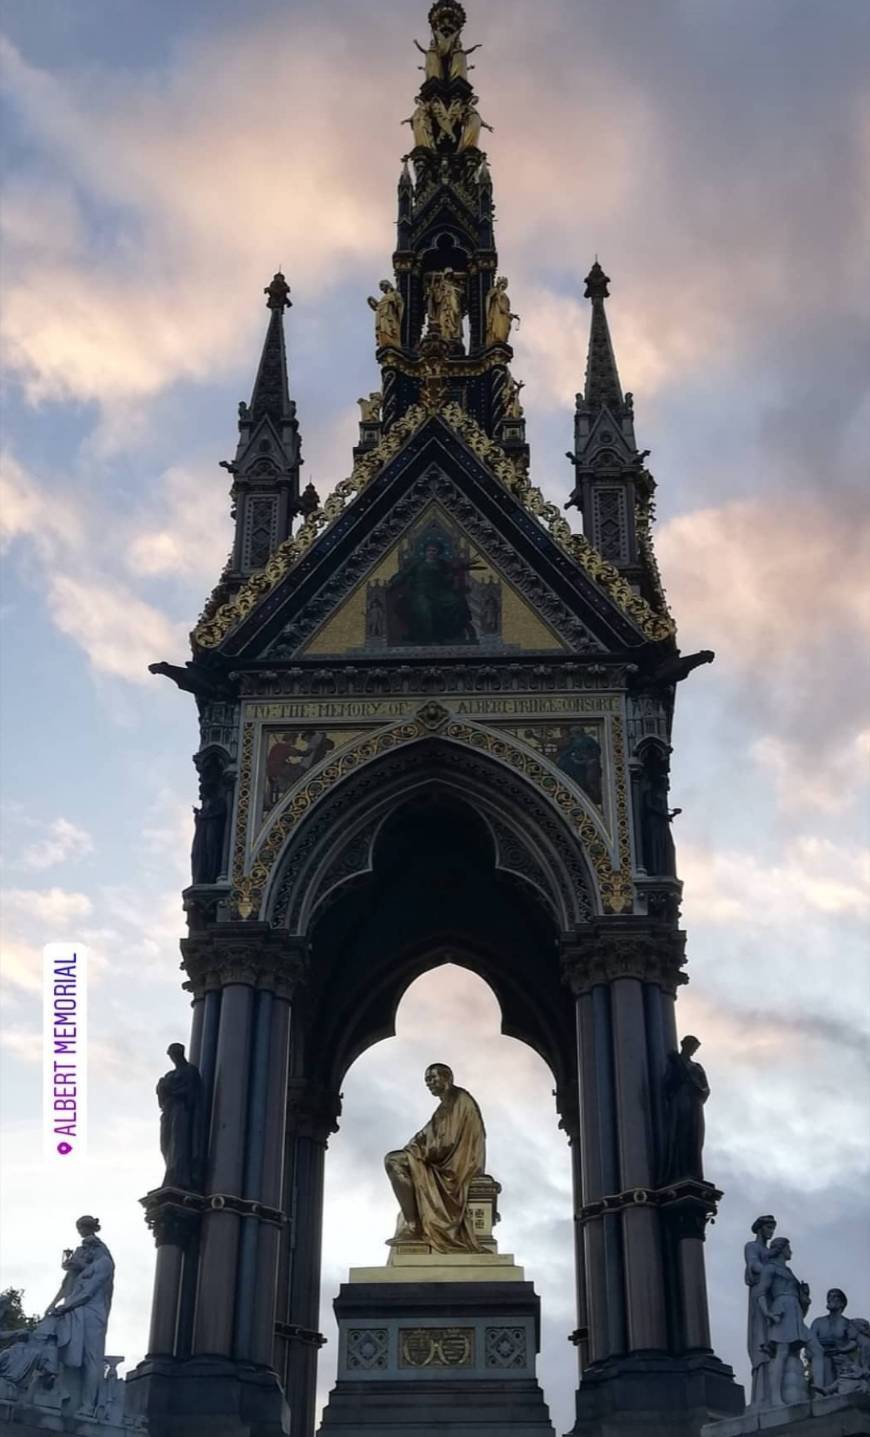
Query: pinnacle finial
x=447 y=15
x=597 y=282
x=278 y=292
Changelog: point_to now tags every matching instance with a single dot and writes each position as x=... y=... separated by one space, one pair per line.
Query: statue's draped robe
x=82 y=1331
x=180 y=1096
x=756 y=1255
x=781 y=1291
x=442 y=1160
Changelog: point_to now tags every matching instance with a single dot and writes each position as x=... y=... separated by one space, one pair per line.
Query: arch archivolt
x=336 y=848
x=506 y=782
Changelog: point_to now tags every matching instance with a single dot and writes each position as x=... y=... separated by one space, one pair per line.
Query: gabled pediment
x=505 y=574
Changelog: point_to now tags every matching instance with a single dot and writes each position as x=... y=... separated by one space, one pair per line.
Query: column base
x=653 y=1395
x=30 y=1420
x=206 y=1397
x=437 y=1359
x=846 y=1416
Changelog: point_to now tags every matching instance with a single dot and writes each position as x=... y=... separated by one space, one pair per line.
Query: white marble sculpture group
x=60 y=1366
x=790 y=1361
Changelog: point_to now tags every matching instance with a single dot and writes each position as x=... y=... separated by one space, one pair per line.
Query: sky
x=161 y=162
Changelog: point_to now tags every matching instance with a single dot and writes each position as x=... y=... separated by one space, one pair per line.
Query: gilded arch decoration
x=609 y=863
x=336 y=846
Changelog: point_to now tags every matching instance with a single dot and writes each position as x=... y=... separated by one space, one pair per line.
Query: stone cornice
x=624 y=948
x=253 y=955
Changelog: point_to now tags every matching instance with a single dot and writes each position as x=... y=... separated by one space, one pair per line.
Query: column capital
x=253 y=954
x=172 y=1215
x=313 y=1111
x=613 y=948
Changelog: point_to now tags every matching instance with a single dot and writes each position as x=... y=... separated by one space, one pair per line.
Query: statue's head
x=385 y=286
x=175 y=1052
x=764 y=1226
x=836 y=1300
x=439 y=1079
x=87 y=1226
x=690 y=1045
x=780 y=1249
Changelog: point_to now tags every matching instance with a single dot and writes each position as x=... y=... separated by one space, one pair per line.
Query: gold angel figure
x=473 y=124
x=421 y=124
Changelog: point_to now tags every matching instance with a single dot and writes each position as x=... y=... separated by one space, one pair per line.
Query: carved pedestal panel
x=455 y=1358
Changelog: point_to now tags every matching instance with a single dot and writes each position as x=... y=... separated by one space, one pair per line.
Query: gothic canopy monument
x=435 y=724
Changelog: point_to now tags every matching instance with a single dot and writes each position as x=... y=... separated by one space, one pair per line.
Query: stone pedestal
x=206 y=1397
x=654 y=1395
x=441 y=1357
x=846 y=1416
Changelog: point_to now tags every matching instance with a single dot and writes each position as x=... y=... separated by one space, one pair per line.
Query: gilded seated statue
x=432 y=1174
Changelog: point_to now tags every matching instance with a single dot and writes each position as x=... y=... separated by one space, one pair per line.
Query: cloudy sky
x=162 y=162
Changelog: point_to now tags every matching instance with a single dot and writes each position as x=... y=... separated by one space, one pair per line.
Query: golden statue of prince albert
x=431 y=1175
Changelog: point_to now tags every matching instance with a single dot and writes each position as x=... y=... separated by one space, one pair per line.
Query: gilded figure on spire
x=499 y=316
x=389 y=310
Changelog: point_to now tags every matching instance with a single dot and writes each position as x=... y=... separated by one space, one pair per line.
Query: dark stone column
x=650 y=1358
x=210 y=1357
x=568 y=1103
x=312 y=1115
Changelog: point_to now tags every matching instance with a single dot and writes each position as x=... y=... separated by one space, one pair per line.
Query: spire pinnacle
x=602 y=376
x=278 y=291
x=271 y=395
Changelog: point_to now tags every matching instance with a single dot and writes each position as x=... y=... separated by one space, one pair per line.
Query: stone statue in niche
x=499 y=316
x=209 y=823
x=444 y=304
x=686 y=1092
x=180 y=1099
x=389 y=310
x=657 y=844
x=756 y=1253
x=838 y=1348
x=783 y=1301
x=431 y=1175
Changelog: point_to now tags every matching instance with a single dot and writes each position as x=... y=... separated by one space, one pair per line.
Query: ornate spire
x=271 y=388
x=602 y=377
x=613 y=488
x=266 y=467
x=442 y=329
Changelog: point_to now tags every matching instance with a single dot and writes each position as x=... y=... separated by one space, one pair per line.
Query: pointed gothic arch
x=333 y=844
